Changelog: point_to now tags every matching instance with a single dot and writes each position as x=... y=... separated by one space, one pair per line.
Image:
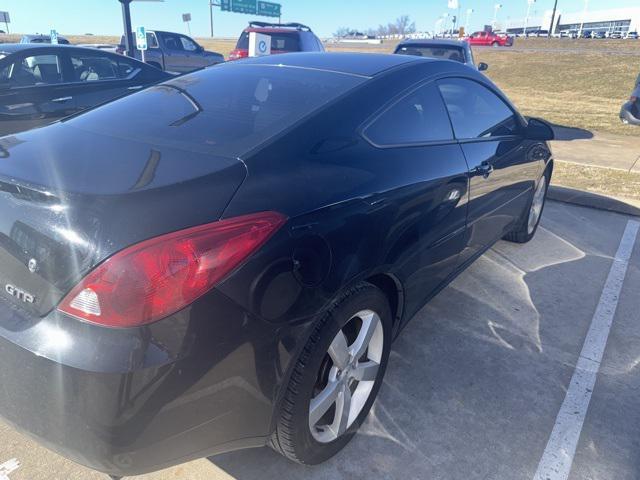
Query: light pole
x=526 y=19
x=496 y=7
x=584 y=14
x=466 y=23
x=552 y=27
x=436 y=29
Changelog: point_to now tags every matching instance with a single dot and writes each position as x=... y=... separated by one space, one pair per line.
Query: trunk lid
x=70 y=198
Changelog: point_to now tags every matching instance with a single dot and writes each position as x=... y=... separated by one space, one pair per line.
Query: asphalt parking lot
x=477 y=380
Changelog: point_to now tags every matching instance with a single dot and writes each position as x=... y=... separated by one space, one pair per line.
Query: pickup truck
x=174 y=52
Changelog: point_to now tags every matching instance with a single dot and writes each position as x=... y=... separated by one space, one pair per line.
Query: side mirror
x=538 y=129
x=483 y=67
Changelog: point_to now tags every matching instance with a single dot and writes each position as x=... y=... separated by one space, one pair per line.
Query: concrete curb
x=591 y=200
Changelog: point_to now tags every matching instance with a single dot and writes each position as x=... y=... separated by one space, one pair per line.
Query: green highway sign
x=269 y=9
x=252 y=7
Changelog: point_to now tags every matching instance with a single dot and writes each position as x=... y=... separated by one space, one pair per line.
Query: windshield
x=226 y=110
x=443 y=52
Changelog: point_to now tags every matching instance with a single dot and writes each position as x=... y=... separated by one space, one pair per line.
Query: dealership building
x=621 y=20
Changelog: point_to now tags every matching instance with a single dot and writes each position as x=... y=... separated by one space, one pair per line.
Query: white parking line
x=558 y=455
x=7 y=467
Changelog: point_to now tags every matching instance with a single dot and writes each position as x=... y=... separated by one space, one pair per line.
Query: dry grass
x=581 y=84
x=606 y=181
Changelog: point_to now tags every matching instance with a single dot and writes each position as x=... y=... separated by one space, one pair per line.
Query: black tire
x=521 y=233
x=292 y=437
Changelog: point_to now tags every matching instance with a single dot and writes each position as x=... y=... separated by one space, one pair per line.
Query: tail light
x=238 y=53
x=160 y=276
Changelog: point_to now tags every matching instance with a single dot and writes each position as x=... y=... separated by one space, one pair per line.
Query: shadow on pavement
x=475 y=381
x=591 y=200
x=567 y=134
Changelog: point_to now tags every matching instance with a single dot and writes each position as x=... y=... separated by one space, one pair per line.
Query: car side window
x=35 y=70
x=92 y=68
x=152 y=41
x=475 y=111
x=173 y=42
x=418 y=118
x=188 y=44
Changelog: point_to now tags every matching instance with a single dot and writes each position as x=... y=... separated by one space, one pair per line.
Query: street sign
x=252 y=7
x=269 y=9
x=141 y=38
x=186 y=17
x=54 y=37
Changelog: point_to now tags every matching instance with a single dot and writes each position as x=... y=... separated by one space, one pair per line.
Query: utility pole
x=466 y=23
x=526 y=19
x=211 y=16
x=128 y=30
x=584 y=14
x=553 y=20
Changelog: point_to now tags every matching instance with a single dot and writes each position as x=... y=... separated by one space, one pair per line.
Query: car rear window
x=226 y=110
x=445 y=52
x=289 y=42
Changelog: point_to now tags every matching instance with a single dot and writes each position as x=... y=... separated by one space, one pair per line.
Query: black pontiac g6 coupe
x=222 y=260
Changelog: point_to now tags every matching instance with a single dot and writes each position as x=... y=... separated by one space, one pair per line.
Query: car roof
x=364 y=64
x=434 y=41
x=11 y=48
x=18 y=47
x=268 y=30
x=32 y=36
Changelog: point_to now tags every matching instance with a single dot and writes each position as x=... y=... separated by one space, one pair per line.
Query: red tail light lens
x=238 y=53
x=158 y=277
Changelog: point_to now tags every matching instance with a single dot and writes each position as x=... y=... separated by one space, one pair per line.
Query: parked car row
x=573 y=34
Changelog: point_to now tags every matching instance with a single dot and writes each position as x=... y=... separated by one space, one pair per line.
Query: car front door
x=194 y=54
x=414 y=147
x=175 y=57
x=503 y=165
x=34 y=91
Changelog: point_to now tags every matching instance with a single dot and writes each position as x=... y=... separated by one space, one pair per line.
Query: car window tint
x=36 y=70
x=475 y=111
x=126 y=68
x=188 y=44
x=418 y=118
x=252 y=103
x=285 y=41
x=92 y=68
x=172 y=42
x=442 y=52
x=152 y=41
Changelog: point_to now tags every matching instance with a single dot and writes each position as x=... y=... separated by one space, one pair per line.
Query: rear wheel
x=528 y=224
x=336 y=378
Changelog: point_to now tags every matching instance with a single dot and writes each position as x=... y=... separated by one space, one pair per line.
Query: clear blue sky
x=324 y=16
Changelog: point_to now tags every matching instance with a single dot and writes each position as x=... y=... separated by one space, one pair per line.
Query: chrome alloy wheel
x=537 y=204
x=347 y=377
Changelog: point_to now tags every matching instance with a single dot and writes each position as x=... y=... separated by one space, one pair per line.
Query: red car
x=490 y=39
x=285 y=38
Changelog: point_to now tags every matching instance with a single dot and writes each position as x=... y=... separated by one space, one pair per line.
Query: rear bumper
x=130 y=401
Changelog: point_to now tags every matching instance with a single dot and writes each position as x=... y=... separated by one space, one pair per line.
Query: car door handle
x=62 y=99
x=135 y=87
x=485 y=169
